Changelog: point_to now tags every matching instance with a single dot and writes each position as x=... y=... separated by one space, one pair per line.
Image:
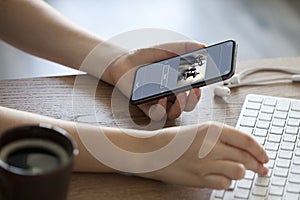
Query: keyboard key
x=251 y=113
x=253 y=106
x=287 y=146
x=274 y=197
x=267 y=109
x=296 y=160
x=291 y=130
x=280 y=114
x=246 y=130
x=271 y=146
x=219 y=193
x=294 y=114
x=295 y=169
x=265 y=116
x=276 y=130
x=294 y=188
x=289 y=196
x=283 y=163
x=279 y=181
x=276 y=190
x=232 y=185
x=283 y=105
x=262 y=124
x=295 y=178
x=274 y=138
x=244 y=183
x=228 y=195
x=248 y=121
x=262 y=181
x=289 y=138
x=278 y=122
x=260 y=191
x=270 y=101
x=282 y=172
x=293 y=122
x=255 y=98
x=249 y=174
x=241 y=193
x=295 y=106
x=260 y=132
x=297 y=152
x=285 y=154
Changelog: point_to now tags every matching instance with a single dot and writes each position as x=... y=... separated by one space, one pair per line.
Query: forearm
x=35 y=27
x=10 y=118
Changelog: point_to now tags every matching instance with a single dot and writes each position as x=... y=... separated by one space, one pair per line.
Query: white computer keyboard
x=274 y=122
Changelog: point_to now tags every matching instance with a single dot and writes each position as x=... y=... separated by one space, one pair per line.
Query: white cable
x=235 y=81
x=261 y=82
x=248 y=71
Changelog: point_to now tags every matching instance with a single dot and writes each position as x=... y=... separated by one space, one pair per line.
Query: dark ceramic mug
x=35 y=163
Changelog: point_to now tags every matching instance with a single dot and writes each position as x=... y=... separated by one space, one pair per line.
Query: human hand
x=121 y=74
x=231 y=154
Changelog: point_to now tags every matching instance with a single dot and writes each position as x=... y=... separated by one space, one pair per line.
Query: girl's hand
x=232 y=152
x=121 y=74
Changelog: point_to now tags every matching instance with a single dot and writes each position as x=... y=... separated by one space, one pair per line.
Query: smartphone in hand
x=181 y=73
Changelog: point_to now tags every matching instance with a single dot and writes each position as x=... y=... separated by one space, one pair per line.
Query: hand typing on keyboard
x=232 y=153
x=274 y=122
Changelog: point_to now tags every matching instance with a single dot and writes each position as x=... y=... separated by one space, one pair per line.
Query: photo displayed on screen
x=181 y=71
x=192 y=68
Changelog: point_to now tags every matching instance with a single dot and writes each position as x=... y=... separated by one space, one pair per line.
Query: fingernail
x=263 y=170
x=266 y=170
x=266 y=159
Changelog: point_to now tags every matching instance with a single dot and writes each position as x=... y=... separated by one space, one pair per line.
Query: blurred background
x=262 y=28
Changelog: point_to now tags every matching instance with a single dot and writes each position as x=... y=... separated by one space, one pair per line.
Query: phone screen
x=179 y=73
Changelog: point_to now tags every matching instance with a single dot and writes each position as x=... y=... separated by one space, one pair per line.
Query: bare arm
x=37 y=28
x=232 y=153
x=85 y=162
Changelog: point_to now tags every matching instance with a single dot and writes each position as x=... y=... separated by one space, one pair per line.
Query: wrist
x=100 y=61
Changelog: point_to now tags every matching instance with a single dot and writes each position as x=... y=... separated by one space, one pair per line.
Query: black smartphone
x=183 y=72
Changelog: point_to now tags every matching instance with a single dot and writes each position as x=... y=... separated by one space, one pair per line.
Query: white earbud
x=296 y=78
x=222 y=91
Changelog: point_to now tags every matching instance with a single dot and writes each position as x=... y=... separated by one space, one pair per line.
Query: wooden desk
x=53 y=97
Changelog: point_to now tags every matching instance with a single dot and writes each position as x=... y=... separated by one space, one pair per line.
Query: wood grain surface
x=86 y=100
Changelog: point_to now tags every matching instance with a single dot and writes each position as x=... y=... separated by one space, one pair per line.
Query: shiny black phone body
x=181 y=73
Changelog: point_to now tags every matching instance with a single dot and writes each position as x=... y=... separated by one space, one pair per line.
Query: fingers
x=221 y=172
x=245 y=158
x=192 y=99
x=155 y=110
x=180 y=47
x=173 y=106
x=215 y=181
x=230 y=169
x=183 y=103
x=176 y=109
x=245 y=142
